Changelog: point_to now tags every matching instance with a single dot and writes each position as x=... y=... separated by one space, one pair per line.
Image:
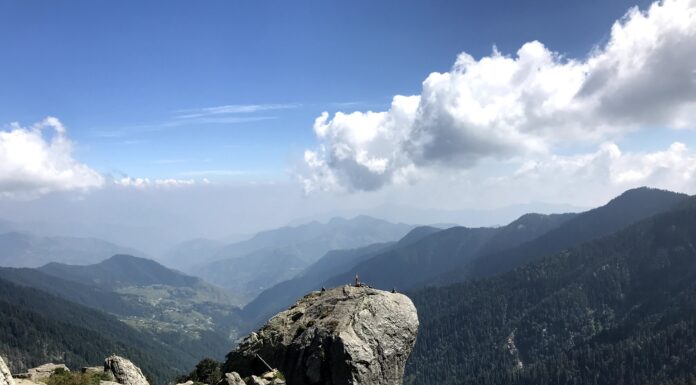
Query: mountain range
x=619 y=309
x=180 y=317
x=248 y=267
x=431 y=257
x=602 y=296
x=23 y=249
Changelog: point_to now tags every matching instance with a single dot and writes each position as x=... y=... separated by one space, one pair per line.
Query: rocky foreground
x=348 y=335
x=116 y=371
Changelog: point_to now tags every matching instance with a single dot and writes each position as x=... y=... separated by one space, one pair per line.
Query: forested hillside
x=192 y=318
x=37 y=328
x=620 y=310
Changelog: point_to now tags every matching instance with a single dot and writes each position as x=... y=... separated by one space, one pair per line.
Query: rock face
x=5 y=375
x=343 y=336
x=43 y=372
x=124 y=371
x=232 y=379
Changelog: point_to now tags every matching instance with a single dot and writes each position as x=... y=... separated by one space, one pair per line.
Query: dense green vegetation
x=621 y=310
x=37 y=328
x=189 y=317
x=207 y=371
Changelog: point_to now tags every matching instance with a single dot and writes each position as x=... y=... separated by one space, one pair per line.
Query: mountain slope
x=190 y=253
x=37 y=327
x=180 y=310
x=21 y=249
x=87 y=295
x=240 y=266
x=121 y=271
x=284 y=294
x=252 y=273
x=420 y=262
x=616 y=310
x=629 y=207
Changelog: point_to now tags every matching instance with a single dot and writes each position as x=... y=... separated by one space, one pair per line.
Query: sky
x=339 y=106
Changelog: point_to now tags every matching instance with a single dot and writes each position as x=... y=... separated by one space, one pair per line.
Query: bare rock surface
x=124 y=371
x=343 y=336
x=5 y=375
x=43 y=372
x=232 y=379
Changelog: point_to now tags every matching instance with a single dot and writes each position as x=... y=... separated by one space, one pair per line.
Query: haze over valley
x=392 y=192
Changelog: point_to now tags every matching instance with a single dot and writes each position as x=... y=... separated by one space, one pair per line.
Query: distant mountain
x=84 y=294
x=629 y=207
x=244 y=267
x=177 y=308
x=421 y=255
x=460 y=253
x=20 y=249
x=121 y=271
x=425 y=260
x=430 y=256
x=36 y=327
x=190 y=253
x=284 y=294
x=252 y=273
x=616 y=310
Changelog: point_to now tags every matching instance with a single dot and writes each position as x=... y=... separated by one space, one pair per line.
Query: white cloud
x=609 y=168
x=34 y=162
x=502 y=107
x=143 y=183
x=232 y=109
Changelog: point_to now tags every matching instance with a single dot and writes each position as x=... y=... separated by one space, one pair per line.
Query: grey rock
x=343 y=336
x=93 y=369
x=5 y=375
x=43 y=372
x=232 y=379
x=124 y=371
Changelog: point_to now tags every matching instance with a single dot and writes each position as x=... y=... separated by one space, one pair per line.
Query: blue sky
x=118 y=73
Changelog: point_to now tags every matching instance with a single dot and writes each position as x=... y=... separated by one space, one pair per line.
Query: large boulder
x=343 y=336
x=124 y=371
x=5 y=375
x=232 y=379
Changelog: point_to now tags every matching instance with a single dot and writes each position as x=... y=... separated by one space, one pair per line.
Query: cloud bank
x=524 y=107
x=34 y=162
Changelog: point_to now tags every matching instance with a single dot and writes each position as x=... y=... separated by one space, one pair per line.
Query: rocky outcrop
x=5 y=375
x=343 y=336
x=43 y=372
x=232 y=379
x=124 y=371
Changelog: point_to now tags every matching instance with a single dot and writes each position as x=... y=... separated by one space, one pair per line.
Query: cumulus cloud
x=513 y=107
x=37 y=160
x=673 y=168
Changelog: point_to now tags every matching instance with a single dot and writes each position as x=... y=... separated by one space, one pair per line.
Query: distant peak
x=125 y=257
x=645 y=193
